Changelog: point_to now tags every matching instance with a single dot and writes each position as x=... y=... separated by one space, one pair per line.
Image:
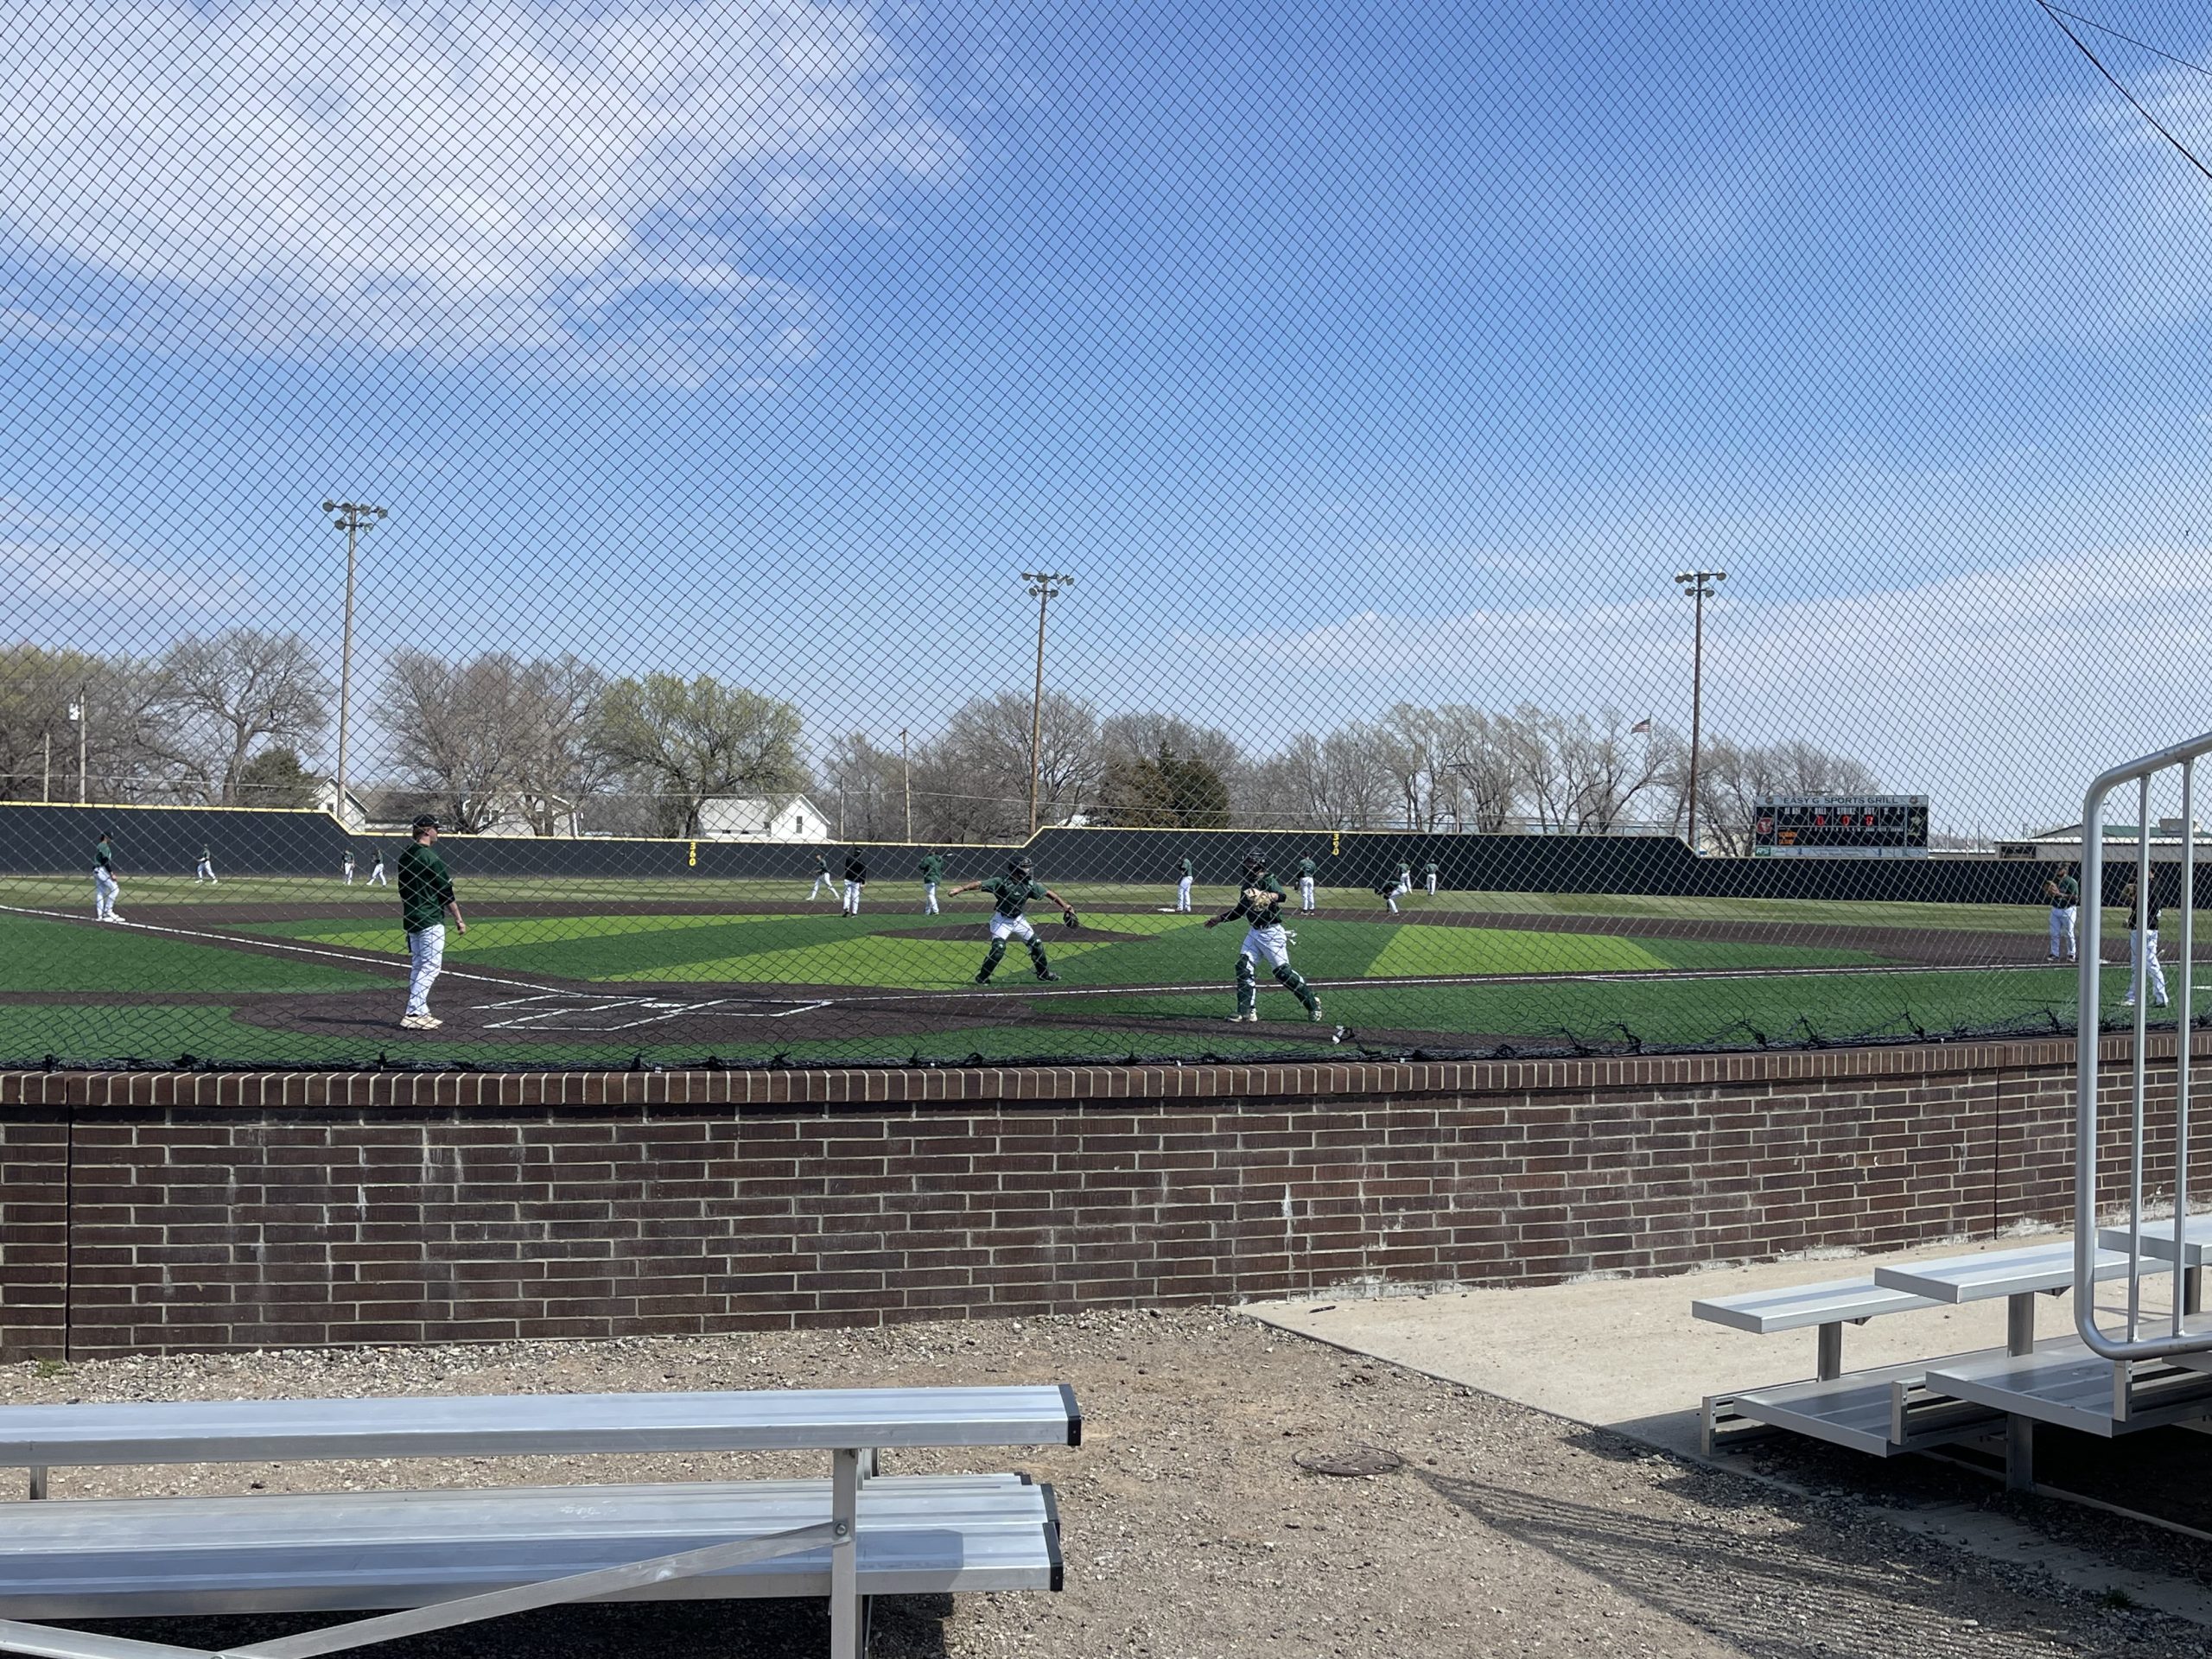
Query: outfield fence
x=726 y=465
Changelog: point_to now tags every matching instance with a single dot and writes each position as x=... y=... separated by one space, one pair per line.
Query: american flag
x=1643 y=726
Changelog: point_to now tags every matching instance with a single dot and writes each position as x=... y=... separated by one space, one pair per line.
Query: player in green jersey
x=1306 y=894
x=1183 y=889
x=1012 y=894
x=2063 y=894
x=932 y=874
x=1260 y=903
x=106 y=887
x=426 y=900
x=1428 y=875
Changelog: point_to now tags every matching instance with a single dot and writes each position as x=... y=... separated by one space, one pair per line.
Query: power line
x=2103 y=28
x=2081 y=46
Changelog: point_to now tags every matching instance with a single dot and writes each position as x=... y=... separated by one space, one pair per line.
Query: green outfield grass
x=72 y=892
x=1573 y=985
x=878 y=951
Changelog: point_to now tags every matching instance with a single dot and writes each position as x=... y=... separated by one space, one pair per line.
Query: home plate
x=570 y=1011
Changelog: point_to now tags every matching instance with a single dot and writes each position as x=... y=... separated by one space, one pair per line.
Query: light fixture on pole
x=352 y=518
x=1698 y=586
x=1045 y=587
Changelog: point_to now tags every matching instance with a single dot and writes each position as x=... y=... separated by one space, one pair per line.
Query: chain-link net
x=1431 y=529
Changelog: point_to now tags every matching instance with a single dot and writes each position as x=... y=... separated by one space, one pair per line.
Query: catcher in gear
x=1014 y=893
x=1266 y=940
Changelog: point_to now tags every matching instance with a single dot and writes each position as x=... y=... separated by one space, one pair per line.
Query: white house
x=782 y=818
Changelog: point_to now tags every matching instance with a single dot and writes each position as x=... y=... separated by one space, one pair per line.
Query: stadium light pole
x=1698 y=586
x=906 y=783
x=352 y=518
x=1045 y=587
x=81 y=712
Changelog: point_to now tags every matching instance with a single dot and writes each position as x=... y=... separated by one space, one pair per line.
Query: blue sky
x=1345 y=354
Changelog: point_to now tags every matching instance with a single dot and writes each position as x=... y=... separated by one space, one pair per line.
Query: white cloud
x=456 y=179
x=57 y=570
x=1999 y=691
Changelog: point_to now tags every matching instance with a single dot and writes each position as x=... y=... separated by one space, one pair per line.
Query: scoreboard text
x=1841 y=826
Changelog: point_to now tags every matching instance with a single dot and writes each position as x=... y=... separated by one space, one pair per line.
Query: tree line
x=497 y=741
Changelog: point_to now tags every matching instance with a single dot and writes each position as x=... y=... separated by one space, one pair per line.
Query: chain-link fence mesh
x=1640 y=519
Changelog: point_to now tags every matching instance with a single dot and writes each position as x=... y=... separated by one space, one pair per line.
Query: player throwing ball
x=1014 y=893
x=1265 y=940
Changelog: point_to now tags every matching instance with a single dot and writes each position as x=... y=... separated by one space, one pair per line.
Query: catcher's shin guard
x=1037 y=958
x=994 y=956
x=1248 y=986
x=1299 y=988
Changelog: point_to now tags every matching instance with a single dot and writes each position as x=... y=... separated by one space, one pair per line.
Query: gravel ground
x=1190 y=1528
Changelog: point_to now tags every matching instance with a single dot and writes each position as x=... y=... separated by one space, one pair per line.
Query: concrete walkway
x=1626 y=1355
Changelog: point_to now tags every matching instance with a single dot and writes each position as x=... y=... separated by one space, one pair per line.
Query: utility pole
x=1698 y=586
x=45 y=789
x=81 y=712
x=1045 y=587
x=352 y=518
x=906 y=781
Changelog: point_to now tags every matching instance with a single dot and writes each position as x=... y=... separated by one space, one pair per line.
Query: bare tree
x=555 y=767
x=222 y=695
x=452 y=729
x=1733 y=777
x=1477 y=755
x=985 y=743
x=864 y=786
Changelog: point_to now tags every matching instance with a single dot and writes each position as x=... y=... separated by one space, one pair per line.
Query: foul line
x=358 y=960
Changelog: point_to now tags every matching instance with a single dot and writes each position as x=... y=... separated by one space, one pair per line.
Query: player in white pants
x=932 y=876
x=821 y=878
x=345 y=866
x=204 y=870
x=855 y=878
x=1428 y=875
x=426 y=899
x=1183 y=890
x=1011 y=894
x=377 y=877
x=106 y=887
x=1306 y=895
x=1259 y=902
x=2065 y=893
x=2143 y=950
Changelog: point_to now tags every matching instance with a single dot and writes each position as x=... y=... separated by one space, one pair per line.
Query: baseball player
x=2143 y=947
x=1013 y=893
x=377 y=877
x=1261 y=904
x=105 y=885
x=1183 y=889
x=932 y=874
x=1388 y=887
x=1428 y=875
x=821 y=878
x=1405 y=878
x=205 y=869
x=345 y=866
x=2063 y=894
x=425 y=898
x=855 y=878
x=1306 y=906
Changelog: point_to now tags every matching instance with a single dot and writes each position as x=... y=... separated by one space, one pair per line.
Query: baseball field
x=289 y=972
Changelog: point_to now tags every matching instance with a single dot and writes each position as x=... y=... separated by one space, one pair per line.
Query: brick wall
x=144 y=1213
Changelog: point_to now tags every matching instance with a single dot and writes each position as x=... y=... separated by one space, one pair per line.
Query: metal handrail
x=2089 y=1040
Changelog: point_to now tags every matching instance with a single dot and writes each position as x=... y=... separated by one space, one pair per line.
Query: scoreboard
x=1841 y=826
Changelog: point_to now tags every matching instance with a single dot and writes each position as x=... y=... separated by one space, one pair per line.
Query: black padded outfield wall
x=1351 y=866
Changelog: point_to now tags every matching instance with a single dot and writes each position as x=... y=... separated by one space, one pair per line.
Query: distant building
x=2064 y=840
x=775 y=817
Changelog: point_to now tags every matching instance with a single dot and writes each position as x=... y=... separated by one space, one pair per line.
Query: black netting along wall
x=544 y=535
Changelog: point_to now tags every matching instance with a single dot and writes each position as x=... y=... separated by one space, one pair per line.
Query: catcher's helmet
x=1019 y=866
x=1254 y=861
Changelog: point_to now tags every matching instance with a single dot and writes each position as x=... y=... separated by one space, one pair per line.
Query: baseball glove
x=1070 y=920
x=1258 y=897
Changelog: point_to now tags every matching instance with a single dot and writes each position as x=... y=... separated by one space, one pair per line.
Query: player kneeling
x=1267 y=940
x=1013 y=894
